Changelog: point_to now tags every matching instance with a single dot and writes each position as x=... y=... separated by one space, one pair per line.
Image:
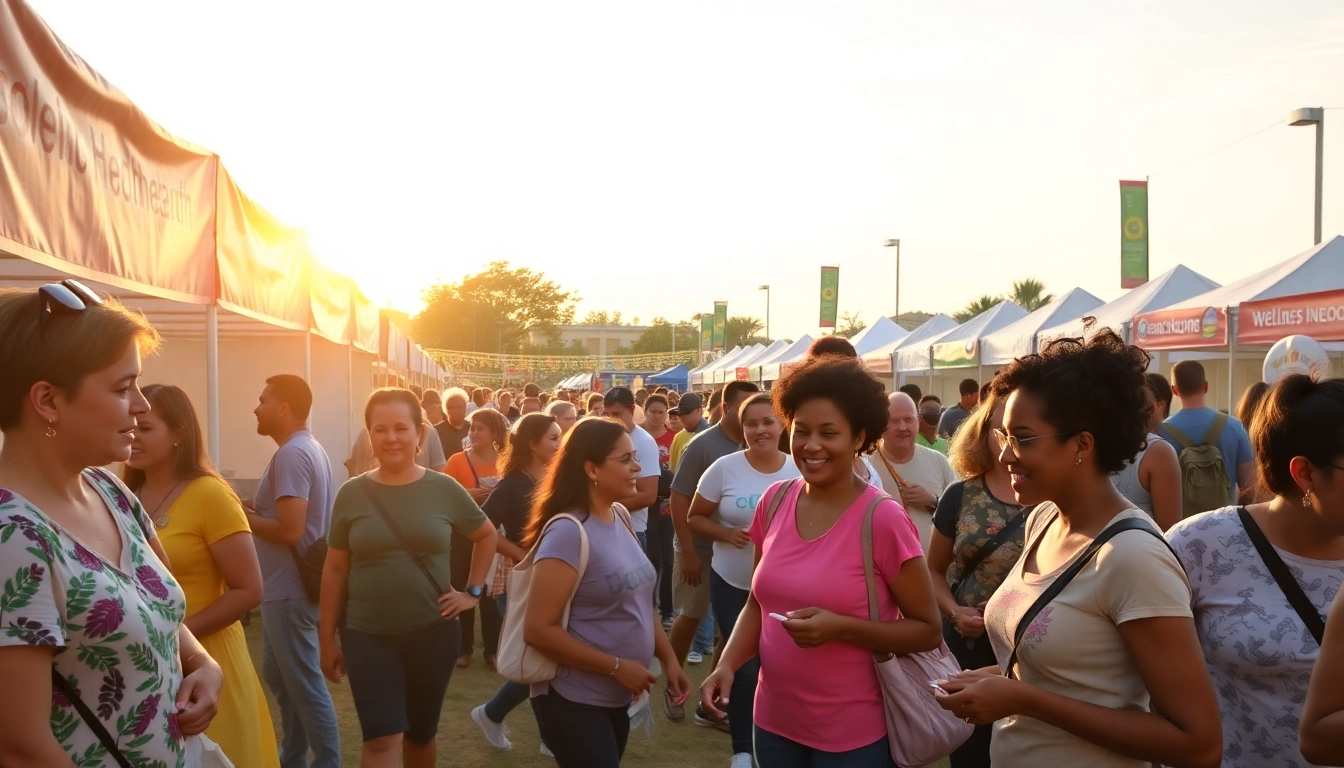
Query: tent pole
x=212 y=381
x=349 y=394
x=308 y=357
x=1231 y=359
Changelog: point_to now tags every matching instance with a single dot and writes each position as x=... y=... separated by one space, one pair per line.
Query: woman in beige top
x=1109 y=672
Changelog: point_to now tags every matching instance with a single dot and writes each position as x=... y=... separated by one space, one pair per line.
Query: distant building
x=599 y=339
x=912 y=320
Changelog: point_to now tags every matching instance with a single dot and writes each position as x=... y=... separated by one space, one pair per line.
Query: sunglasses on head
x=67 y=297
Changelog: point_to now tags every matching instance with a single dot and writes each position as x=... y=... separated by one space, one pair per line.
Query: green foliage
x=850 y=325
x=982 y=304
x=1030 y=294
x=602 y=317
x=744 y=331
x=658 y=338
x=493 y=311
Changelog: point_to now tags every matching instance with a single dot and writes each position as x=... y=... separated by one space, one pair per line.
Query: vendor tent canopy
x=879 y=360
x=1019 y=338
x=767 y=368
x=879 y=334
x=726 y=370
x=698 y=375
x=678 y=378
x=1176 y=284
x=966 y=336
x=741 y=370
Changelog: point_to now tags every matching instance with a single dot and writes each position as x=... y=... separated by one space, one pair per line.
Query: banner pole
x=212 y=381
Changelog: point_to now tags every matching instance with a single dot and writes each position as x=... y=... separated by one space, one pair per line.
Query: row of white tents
x=1178 y=315
x=91 y=188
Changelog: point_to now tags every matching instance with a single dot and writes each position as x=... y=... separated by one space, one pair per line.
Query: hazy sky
x=659 y=157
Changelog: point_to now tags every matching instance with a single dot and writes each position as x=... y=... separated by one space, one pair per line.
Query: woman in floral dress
x=87 y=608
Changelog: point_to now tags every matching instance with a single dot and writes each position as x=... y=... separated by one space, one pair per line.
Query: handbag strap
x=894 y=474
x=988 y=548
x=775 y=501
x=1283 y=577
x=869 y=571
x=94 y=723
x=401 y=538
x=1051 y=592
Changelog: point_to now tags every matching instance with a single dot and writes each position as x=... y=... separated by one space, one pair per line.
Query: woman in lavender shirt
x=613 y=634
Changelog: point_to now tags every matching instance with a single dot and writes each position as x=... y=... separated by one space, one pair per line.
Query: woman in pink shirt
x=818 y=703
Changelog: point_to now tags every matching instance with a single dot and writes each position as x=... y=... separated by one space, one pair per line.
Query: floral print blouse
x=971 y=517
x=114 y=626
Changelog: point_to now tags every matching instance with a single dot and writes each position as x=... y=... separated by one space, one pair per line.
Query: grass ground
x=674 y=745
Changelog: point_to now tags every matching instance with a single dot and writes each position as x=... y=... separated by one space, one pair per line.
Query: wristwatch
x=475 y=591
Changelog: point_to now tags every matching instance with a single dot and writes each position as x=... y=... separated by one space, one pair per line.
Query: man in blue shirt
x=1194 y=419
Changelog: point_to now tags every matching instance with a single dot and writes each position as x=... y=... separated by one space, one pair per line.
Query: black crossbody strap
x=981 y=555
x=93 y=722
x=1283 y=577
x=401 y=539
x=1051 y=592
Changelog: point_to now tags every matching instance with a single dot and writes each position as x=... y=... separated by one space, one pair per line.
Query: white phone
x=779 y=616
x=938 y=689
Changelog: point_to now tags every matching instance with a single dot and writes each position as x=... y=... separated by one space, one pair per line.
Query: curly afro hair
x=843 y=381
x=832 y=345
x=1098 y=386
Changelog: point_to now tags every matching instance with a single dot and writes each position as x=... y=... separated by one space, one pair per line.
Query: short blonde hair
x=64 y=352
x=970 y=454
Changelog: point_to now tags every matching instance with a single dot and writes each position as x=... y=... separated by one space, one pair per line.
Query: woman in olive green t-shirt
x=401 y=611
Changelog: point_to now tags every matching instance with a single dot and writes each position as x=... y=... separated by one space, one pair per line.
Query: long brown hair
x=190 y=461
x=970 y=454
x=517 y=454
x=565 y=487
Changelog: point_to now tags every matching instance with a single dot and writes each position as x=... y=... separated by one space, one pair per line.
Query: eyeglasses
x=68 y=297
x=624 y=458
x=1016 y=443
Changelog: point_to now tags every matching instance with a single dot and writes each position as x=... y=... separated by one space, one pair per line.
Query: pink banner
x=1193 y=327
x=1318 y=315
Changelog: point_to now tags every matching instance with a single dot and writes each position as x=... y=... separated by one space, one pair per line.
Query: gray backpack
x=1205 y=483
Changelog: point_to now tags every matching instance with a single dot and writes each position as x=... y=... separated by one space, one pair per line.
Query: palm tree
x=982 y=304
x=742 y=331
x=1030 y=294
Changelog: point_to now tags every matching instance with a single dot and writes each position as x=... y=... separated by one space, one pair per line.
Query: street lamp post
x=766 y=288
x=897 y=245
x=1314 y=116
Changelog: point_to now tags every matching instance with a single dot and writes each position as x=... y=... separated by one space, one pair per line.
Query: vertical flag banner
x=1133 y=233
x=830 y=295
x=706 y=333
x=720 y=324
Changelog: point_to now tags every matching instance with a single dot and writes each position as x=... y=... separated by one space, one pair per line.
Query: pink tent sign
x=1318 y=315
x=1191 y=327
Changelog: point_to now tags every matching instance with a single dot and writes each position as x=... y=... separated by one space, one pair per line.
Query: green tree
x=494 y=310
x=744 y=331
x=1030 y=294
x=658 y=338
x=602 y=317
x=982 y=304
x=850 y=325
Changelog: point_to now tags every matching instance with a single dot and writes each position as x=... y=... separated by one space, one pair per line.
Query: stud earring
x=1306 y=500
x=1078 y=460
x=51 y=428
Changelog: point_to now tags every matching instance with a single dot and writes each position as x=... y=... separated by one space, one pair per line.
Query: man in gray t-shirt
x=292 y=508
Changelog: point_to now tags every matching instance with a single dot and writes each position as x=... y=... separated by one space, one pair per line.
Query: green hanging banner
x=706 y=333
x=830 y=295
x=720 y=324
x=1133 y=233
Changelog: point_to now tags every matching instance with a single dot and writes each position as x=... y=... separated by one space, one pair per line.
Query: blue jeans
x=728 y=602
x=290 y=664
x=510 y=694
x=775 y=751
x=703 y=643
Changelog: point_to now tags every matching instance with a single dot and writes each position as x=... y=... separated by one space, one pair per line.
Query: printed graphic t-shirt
x=1073 y=646
x=613 y=609
x=1258 y=651
x=736 y=487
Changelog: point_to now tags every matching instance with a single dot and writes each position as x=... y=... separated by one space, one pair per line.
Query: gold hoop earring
x=1306 y=499
x=51 y=428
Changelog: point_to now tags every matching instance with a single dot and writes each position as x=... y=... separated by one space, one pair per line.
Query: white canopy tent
x=1213 y=327
x=952 y=348
x=741 y=370
x=699 y=376
x=1176 y=284
x=767 y=368
x=1019 y=338
x=881 y=333
x=725 y=370
x=880 y=360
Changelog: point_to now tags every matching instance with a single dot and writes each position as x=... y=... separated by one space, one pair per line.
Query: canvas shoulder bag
x=518 y=661
x=918 y=729
x=1283 y=577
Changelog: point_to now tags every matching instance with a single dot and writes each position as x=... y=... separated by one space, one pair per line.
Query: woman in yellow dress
x=209 y=545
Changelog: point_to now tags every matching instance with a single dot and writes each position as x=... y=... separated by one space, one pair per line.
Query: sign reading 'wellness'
x=1318 y=315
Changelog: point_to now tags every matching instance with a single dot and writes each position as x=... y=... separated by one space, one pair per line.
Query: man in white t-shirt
x=910 y=472
x=619 y=403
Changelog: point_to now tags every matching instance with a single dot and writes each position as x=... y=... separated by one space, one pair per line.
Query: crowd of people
x=1121 y=584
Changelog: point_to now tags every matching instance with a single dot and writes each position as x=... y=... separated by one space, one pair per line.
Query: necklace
x=162 y=522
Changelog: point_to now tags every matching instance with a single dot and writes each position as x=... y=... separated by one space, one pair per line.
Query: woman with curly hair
x=1098 y=658
x=818 y=701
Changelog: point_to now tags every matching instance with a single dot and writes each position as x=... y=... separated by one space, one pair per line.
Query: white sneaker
x=494 y=732
x=742 y=760
x=545 y=751
x=694 y=657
